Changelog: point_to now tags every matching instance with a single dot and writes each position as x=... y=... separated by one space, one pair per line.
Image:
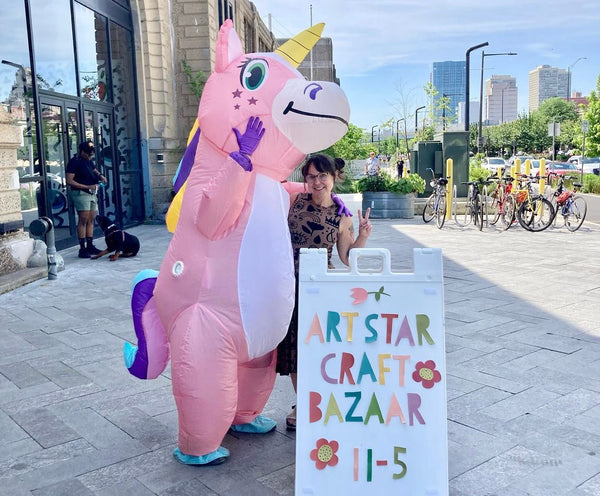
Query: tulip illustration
x=360 y=295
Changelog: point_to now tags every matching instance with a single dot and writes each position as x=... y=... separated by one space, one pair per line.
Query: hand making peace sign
x=364 y=226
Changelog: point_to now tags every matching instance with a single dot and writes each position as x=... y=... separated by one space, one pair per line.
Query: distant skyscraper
x=547 y=82
x=448 y=78
x=473 y=112
x=501 y=95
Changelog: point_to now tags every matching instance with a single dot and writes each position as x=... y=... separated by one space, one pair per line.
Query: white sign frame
x=381 y=446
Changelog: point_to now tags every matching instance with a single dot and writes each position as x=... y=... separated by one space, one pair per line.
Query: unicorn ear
x=229 y=46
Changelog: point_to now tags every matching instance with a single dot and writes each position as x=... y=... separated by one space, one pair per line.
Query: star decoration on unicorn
x=224 y=295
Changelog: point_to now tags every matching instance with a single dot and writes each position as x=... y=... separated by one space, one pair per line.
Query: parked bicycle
x=534 y=212
x=571 y=207
x=435 y=206
x=473 y=209
x=502 y=204
x=477 y=207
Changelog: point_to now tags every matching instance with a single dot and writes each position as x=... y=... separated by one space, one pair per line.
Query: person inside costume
x=224 y=295
x=314 y=221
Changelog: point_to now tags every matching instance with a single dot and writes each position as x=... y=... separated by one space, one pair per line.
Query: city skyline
x=386 y=49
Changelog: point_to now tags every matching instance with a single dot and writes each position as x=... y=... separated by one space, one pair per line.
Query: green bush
x=591 y=184
x=413 y=183
x=345 y=186
x=478 y=173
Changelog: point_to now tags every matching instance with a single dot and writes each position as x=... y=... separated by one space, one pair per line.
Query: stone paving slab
x=523 y=363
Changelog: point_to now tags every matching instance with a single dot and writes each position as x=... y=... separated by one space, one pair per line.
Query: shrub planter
x=388 y=205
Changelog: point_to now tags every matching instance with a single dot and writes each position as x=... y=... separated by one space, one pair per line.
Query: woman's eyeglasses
x=311 y=178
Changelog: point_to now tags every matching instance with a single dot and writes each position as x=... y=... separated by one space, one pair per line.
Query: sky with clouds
x=383 y=50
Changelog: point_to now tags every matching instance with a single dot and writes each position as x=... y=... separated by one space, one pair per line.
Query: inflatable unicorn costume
x=224 y=295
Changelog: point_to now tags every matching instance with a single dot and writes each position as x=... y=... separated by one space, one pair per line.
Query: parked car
x=535 y=167
x=561 y=168
x=512 y=159
x=493 y=163
x=589 y=164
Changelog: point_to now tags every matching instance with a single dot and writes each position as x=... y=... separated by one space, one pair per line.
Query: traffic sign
x=585 y=126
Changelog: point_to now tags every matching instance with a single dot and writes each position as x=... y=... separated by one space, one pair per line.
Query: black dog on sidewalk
x=122 y=243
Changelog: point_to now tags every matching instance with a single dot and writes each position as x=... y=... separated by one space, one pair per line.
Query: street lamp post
x=416 y=119
x=398 y=122
x=479 y=135
x=372 y=133
x=467 y=82
x=569 y=76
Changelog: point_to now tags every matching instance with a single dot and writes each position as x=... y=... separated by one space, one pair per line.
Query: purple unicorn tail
x=149 y=359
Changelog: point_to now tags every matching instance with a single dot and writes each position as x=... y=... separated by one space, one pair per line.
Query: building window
x=264 y=46
x=225 y=11
x=249 y=36
x=92 y=54
x=53 y=44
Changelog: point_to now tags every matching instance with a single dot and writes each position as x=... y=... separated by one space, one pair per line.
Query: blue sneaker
x=218 y=456
x=260 y=425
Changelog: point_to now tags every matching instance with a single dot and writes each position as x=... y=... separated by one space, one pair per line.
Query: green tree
x=592 y=114
x=350 y=146
x=404 y=106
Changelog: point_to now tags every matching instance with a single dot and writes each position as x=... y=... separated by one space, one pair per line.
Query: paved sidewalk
x=523 y=361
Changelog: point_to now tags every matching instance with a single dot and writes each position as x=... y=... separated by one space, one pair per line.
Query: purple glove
x=248 y=142
x=343 y=210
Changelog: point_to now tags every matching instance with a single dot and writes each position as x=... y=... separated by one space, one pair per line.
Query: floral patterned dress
x=310 y=226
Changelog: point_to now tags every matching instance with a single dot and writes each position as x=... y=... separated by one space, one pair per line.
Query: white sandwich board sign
x=371 y=414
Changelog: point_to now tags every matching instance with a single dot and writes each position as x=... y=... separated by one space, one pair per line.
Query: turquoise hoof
x=218 y=456
x=129 y=352
x=260 y=425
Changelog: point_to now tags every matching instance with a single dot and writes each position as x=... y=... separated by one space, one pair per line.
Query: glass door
x=59 y=143
x=116 y=157
x=98 y=127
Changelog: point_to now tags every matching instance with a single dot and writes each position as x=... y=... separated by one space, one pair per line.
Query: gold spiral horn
x=296 y=49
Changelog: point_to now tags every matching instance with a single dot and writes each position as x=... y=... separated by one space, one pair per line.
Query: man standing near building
x=372 y=166
x=83 y=179
x=400 y=166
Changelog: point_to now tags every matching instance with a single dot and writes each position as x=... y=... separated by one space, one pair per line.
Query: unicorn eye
x=254 y=73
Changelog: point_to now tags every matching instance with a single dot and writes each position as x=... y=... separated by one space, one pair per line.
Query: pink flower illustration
x=359 y=295
x=324 y=453
x=426 y=374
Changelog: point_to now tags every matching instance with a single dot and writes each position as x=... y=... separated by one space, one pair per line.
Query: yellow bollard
x=449 y=188
x=517 y=167
x=542 y=183
x=527 y=167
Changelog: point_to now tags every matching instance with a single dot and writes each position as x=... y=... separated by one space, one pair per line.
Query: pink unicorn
x=224 y=295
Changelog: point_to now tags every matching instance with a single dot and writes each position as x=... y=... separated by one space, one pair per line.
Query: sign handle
x=381 y=253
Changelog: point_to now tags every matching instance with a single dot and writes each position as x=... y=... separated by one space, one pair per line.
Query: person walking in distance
x=400 y=166
x=83 y=179
x=372 y=166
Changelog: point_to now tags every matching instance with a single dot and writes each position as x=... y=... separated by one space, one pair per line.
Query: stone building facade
x=121 y=82
x=174 y=34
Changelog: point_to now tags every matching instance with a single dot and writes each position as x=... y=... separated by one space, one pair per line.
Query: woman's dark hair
x=339 y=167
x=323 y=163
